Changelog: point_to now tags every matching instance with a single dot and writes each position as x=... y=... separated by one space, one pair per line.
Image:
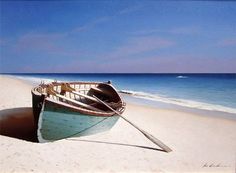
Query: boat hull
x=37 y=103
x=57 y=122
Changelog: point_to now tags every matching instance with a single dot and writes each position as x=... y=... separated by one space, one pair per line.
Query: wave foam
x=35 y=80
x=180 y=102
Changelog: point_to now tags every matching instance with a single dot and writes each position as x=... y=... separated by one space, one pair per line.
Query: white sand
x=199 y=144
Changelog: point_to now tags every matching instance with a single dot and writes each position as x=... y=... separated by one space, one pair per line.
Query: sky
x=117 y=36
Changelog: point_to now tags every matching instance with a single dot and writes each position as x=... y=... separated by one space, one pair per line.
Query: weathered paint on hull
x=57 y=123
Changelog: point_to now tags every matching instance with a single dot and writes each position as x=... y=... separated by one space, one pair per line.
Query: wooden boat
x=63 y=110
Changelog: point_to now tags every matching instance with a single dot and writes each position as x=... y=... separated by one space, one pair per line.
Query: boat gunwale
x=76 y=108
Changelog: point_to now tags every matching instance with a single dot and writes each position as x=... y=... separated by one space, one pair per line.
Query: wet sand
x=199 y=143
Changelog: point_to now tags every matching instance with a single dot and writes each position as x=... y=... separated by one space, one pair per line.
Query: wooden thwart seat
x=51 y=91
x=67 y=88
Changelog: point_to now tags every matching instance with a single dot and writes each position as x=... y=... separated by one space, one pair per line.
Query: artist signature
x=212 y=165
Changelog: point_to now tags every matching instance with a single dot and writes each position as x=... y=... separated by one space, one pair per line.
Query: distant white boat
x=182 y=77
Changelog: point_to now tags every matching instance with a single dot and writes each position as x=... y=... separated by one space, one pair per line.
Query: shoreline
x=144 y=101
x=169 y=106
x=199 y=143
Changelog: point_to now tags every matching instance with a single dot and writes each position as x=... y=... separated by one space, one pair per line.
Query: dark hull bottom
x=58 y=123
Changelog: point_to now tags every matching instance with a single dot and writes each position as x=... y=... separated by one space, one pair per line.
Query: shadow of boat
x=18 y=123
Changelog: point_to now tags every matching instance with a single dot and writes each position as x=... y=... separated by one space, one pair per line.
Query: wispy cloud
x=37 y=41
x=177 y=63
x=227 y=42
x=91 y=24
x=147 y=32
x=120 y=56
x=138 y=45
x=43 y=44
x=187 y=30
x=104 y=19
x=1 y=42
x=130 y=9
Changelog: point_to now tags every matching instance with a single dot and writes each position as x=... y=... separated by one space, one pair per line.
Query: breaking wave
x=180 y=102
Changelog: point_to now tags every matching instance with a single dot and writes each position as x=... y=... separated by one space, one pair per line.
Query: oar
x=146 y=134
x=78 y=103
x=66 y=87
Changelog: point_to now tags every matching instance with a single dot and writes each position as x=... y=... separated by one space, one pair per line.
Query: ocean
x=213 y=92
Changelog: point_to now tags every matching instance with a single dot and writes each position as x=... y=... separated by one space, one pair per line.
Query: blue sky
x=118 y=36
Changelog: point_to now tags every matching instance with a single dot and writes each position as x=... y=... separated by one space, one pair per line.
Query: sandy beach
x=199 y=143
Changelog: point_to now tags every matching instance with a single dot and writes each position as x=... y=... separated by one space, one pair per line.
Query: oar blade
x=147 y=135
x=157 y=141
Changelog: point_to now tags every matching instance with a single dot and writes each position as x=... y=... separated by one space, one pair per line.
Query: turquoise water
x=203 y=91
